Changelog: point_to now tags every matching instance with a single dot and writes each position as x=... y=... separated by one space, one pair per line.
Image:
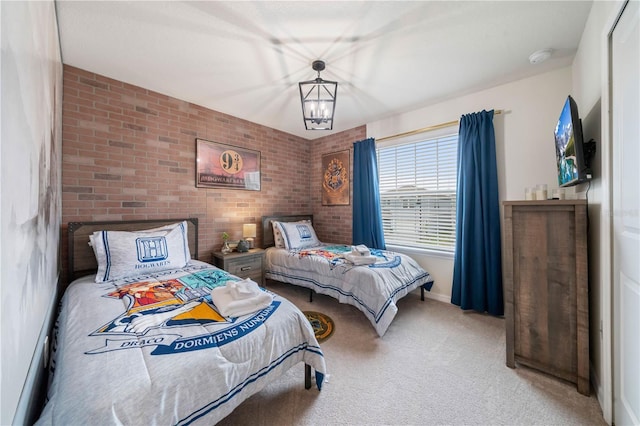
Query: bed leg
x=310 y=296
x=307 y=376
x=422 y=293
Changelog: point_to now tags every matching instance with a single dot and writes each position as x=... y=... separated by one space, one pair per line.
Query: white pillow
x=124 y=254
x=167 y=227
x=298 y=235
x=277 y=235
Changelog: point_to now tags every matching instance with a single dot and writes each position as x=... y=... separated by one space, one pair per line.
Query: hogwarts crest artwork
x=335 y=179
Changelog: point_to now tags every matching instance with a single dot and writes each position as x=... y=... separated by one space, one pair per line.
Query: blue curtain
x=477 y=271
x=367 y=214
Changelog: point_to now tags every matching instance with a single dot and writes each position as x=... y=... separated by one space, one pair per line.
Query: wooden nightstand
x=243 y=265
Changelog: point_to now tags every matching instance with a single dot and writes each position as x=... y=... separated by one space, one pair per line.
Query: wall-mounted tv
x=573 y=156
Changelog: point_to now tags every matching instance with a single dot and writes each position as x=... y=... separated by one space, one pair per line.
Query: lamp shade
x=249 y=230
x=318 y=98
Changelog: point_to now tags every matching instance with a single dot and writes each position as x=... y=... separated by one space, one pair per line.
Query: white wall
x=525 y=147
x=30 y=165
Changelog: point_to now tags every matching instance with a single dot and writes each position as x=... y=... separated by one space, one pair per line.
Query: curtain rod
x=428 y=128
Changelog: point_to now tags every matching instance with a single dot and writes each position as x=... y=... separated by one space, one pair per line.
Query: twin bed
x=147 y=344
x=294 y=255
x=140 y=338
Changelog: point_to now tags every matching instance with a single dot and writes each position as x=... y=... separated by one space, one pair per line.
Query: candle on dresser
x=541 y=192
x=529 y=194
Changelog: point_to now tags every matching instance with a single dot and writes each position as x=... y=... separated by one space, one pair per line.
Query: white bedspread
x=374 y=289
x=154 y=351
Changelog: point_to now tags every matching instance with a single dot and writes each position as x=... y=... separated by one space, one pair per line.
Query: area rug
x=322 y=325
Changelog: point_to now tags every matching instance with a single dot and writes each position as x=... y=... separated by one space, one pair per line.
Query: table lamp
x=249 y=233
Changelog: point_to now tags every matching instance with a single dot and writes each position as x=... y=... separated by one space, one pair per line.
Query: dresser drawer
x=245 y=266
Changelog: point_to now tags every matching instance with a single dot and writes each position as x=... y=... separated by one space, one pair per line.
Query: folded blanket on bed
x=239 y=298
x=357 y=259
x=360 y=250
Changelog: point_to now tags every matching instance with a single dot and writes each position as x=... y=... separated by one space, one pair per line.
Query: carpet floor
x=436 y=365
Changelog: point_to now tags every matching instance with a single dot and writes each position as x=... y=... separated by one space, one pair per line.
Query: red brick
x=290 y=165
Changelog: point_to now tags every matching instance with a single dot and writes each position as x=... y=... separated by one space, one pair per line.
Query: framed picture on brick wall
x=335 y=179
x=226 y=166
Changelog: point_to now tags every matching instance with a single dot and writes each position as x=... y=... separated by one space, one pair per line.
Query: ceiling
x=245 y=58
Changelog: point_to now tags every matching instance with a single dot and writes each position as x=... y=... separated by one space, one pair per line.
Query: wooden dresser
x=546 y=288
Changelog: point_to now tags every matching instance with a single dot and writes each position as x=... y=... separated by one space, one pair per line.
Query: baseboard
x=34 y=390
x=597 y=387
x=439 y=297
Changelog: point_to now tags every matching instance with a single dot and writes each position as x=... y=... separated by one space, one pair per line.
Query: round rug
x=322 y=325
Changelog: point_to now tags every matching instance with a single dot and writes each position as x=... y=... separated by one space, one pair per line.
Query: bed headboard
x=82 y=260
x=267 y=230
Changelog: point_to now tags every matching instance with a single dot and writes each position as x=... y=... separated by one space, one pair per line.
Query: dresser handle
x=245 y=268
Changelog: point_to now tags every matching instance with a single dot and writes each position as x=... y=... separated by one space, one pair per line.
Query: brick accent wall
x=332 y=223
x=129 y=153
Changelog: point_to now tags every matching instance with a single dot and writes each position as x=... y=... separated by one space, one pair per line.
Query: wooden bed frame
x=82 y=260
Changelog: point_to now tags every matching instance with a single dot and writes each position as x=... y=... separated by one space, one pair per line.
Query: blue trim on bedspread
x=108 y=256
x=252 y=378
x=377 y=316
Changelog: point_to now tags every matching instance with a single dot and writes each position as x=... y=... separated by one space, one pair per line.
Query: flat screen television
x=573 y=156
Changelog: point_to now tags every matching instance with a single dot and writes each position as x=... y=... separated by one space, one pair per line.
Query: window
x=418 y=192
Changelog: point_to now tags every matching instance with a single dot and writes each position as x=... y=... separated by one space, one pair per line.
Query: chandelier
x=318 y=99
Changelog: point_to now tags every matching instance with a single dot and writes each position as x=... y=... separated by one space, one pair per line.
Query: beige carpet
x=436 y=365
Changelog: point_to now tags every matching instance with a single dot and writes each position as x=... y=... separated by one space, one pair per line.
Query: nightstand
x=243 y=265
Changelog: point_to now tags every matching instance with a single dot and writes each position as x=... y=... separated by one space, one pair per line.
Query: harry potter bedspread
x=374 y=288
x=155 y=350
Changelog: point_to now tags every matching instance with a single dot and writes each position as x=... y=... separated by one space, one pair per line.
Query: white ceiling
x=245 y=58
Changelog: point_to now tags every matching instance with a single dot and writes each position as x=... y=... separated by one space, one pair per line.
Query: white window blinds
x=418 y=193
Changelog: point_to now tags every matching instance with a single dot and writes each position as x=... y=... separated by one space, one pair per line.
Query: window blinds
x=418 y=192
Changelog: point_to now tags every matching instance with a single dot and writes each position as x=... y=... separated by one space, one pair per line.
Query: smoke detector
x=540 y=56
